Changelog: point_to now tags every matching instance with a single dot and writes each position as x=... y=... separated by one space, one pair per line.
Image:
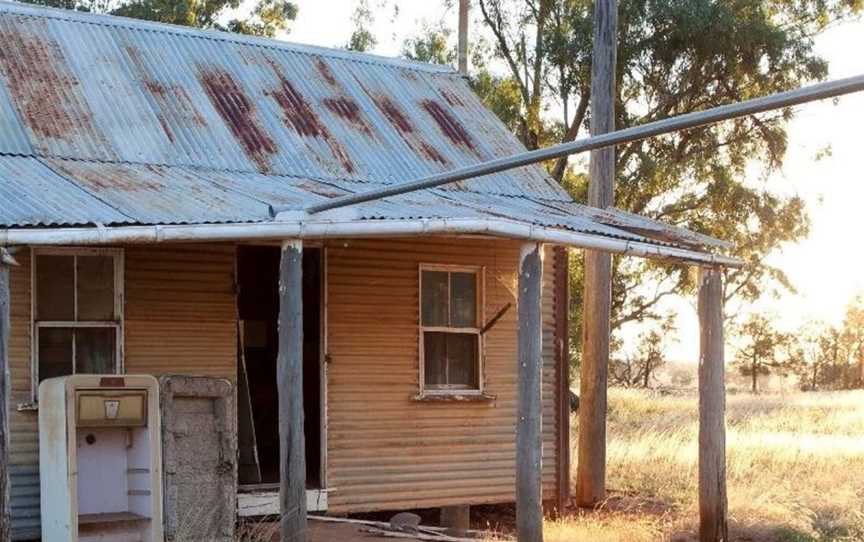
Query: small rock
x=405 y=521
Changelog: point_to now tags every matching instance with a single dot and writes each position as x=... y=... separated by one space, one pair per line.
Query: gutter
x=320 y=229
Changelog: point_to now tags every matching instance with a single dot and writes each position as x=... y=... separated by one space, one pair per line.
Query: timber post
x=289 y=377
x=6 y=261
x=529 y=424
x=597 y=306
x=712 y=410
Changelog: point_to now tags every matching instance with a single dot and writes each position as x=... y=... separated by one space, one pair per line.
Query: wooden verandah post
x=712 y=410
x=6 y=261
x=289 y=377
x=529 y=424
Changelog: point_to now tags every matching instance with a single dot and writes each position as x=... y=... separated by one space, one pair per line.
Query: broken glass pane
x=55 y=288
x=55 y=352
x=434 y=298
x=463 y=304
x=95 y=288
x=94 y=350
x=435 y=358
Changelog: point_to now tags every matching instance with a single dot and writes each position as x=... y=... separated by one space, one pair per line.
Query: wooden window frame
x=119 y=296
x=479 y=271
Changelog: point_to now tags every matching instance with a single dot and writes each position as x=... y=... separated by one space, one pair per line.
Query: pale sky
x=827 y=268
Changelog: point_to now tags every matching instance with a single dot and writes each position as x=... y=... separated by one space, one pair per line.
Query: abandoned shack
x=139 y=164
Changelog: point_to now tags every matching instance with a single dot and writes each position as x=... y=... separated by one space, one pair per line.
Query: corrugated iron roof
x=116 y=121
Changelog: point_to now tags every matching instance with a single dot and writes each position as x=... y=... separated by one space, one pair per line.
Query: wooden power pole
x=591 y=467
x=289 y=380
x=712 y=410
x=464 y=6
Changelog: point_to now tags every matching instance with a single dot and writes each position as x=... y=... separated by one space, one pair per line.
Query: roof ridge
x=99 y=19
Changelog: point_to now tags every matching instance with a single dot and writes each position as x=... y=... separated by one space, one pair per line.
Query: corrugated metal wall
x=181 y=315
x=180 y=318
x=388 y=451
x=385 y=450
x=24 y=460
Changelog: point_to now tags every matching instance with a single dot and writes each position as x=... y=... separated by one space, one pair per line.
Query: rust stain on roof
x=110 y=177
x=321 y=189
x=238 y=112
x=299 y=115
x=432 y=153
x=451 y=98
x=168 y=98
x=348 y=109
x=41 y=85
x=395 y=115
x=326 y=72
x=450 y=127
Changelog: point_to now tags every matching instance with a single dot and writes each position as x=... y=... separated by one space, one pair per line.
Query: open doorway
x=258 y=401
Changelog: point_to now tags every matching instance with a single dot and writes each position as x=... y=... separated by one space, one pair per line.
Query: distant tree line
x=819 y=355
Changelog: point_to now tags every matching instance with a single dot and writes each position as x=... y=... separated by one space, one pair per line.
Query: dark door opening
x=258 y=412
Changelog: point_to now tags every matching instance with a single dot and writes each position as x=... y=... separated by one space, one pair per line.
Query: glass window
x=77 y=322
x=450 y=331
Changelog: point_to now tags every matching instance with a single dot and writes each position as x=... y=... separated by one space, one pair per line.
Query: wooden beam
x=462 y=46
x=5 y=390
x=529 y=424
x=712 y=410
x=289 y=377
x=591 y=468
x=562 y=372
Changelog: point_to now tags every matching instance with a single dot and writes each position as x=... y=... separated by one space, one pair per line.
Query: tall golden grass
x=795 y=469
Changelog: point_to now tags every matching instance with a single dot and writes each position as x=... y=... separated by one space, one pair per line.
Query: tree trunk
x=754 y=375
x=591 y=468
x=292 y=445
x=5 y=510
x=712 y=410
x=529 y=425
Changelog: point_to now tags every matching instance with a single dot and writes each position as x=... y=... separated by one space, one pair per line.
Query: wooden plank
x=292 y=442
x=5 y=396
x=712 y=410
x=591 y=469
x=529 y=424
x=562 y=369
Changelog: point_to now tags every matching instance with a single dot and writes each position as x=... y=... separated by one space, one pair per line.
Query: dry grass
x=795 y=469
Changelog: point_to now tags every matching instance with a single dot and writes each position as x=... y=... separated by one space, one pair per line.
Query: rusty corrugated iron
x=100 y=88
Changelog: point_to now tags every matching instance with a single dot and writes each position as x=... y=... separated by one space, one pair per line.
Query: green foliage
x=832 y=357
x=763 y=350
x=362 y=39
x=267 y=17
x=674 y=57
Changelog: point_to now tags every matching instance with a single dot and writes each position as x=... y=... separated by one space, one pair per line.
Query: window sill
x=454 y=397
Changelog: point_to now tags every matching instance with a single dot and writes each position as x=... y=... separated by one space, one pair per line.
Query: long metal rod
x=790 y=98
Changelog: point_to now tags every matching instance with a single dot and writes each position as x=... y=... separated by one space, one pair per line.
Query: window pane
x=95 y=288
x=435 y=359
x=434 y=298
x=95 y=350
x=462 y=360
x=55 y=352
x=463 y=304
x=55 y=288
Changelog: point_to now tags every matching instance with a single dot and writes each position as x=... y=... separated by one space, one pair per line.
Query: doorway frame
x=263 y=499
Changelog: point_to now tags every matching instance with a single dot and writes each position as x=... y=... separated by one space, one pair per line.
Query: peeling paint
x=238 y=112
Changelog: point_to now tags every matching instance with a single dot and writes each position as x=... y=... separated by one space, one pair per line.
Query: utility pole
x=591 y=469
x=464 y=6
